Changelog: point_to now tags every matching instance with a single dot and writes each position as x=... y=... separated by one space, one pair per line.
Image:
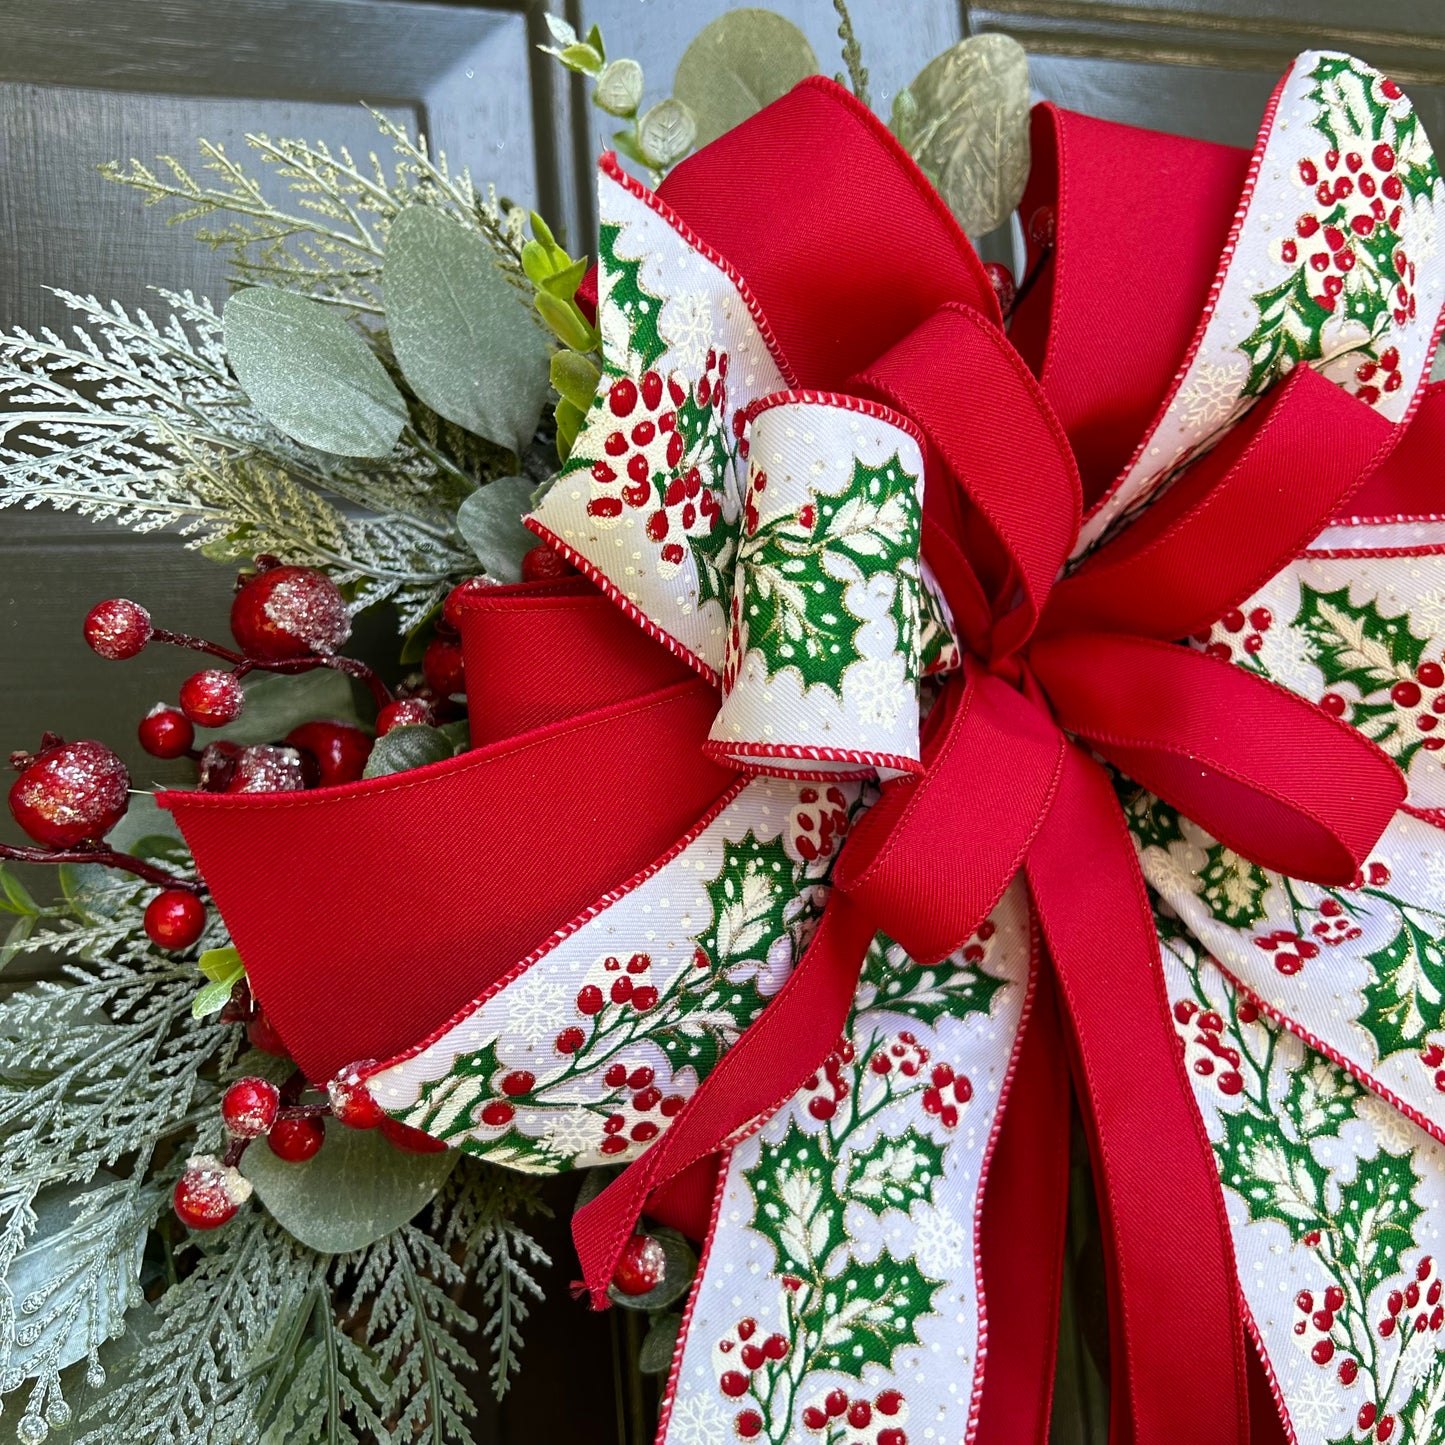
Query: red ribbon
x=588 y=736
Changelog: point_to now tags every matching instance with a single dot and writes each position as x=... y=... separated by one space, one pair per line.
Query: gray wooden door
x=83 y=81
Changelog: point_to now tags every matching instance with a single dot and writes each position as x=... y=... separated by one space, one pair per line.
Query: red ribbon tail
x=1165 y=1229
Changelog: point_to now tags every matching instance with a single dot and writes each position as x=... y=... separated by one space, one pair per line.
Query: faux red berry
x=264 y=769
x=1002 y=281
x=542 y=564
x=1333 y=704
x=166 y=732
x=71 y=793
x=860 y=1412
x=249 y=1106
x=589 y=999
x=296 y=1140
x=285 y=612
x=749 y=1425
x=218 y=765
x=1366 y=1416
x=1043 y=227
x=404 y=712
x=339 y=750
x=1349 y=1370
x=209 y=1193
x=835 y=1403
x=261 y=1034
x=518 y=1082
x=640 y=1269
x=497 y=1113
x=445 y=667
x=118 y=628
x=174 y=919
x=212 y=698
x=459 y=598
x=409 y=1140
x=1430 y=674
x=570 y=1040
x=351 y=1101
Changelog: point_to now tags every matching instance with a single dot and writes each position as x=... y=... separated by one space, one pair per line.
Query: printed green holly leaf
x=1357 y=644
x=926 y=994
x=1345 y=103
x=893 y=1173
x=1405 y=998
x=934 y=637
x=1151 y=820
x=1320 y=1099
x=794 y=1206
x=1288 y=331
x=871 y=1310
x=1234 y=888
x=1423 y=1412
x=641 y=308
x=705 y=446
x=1418 y=177
x=1276 y=1177
x=444 y=1107
x=749 y=900
x=1376 y=1218
x=797 y=572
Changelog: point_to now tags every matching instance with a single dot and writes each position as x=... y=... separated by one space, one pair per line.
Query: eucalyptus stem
x=852 y=53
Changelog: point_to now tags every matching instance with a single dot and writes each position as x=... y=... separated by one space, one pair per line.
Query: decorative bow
x=759 y=520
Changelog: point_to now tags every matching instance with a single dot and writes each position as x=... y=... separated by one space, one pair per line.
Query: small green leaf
x=561 y=30
x=619 y=88
x=666 y=133
x=17 y=896
x=563 y=283
x=460 y=332
x=491 y=521
x=575 y=378
x=310 y=373
x=581 y=58
x=16 y=937
x=659 y=1345
x=211 y=998
x=356 y=1189
x=969 y=130
x=275 y=704
x=411 y=746
x=221 y=965
x=565 y=322
x=743 y=61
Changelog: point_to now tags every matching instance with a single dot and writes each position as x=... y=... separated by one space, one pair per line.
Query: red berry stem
x=351 y=666
x=197 y=644
x=107 y=858
x=304 y=1111
x=234 y=1150
x=241 y=664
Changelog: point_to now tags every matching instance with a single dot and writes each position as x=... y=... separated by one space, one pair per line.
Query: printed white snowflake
x=940 y=1243
x=535 y=1005
x=1434 y=864
x=687 y=324
x=1427 y=611
x=1314 y=1401
x=697 y=1419
x=1286 y=653
x=1209 y=395
x=576 y=1132
x=878 y=687
x=1392 y=1130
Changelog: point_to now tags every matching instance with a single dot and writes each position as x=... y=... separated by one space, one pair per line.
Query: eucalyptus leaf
x=310 y=373
x=97 y=893
x=743 y=61
x=491 y=521
x=354 y=1190
x=458 y=735
x=659 y=1344
x=968 y=128
x=16 y=937
x=146 y=820
x=413 y=745
x=17 y=895
x=276 y=703
x=619 y=87
x=54 y=1260
x=666 y=133
x=460 y=333
x=575 y=378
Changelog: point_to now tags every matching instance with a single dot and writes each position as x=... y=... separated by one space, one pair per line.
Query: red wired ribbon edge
x=426 y=867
